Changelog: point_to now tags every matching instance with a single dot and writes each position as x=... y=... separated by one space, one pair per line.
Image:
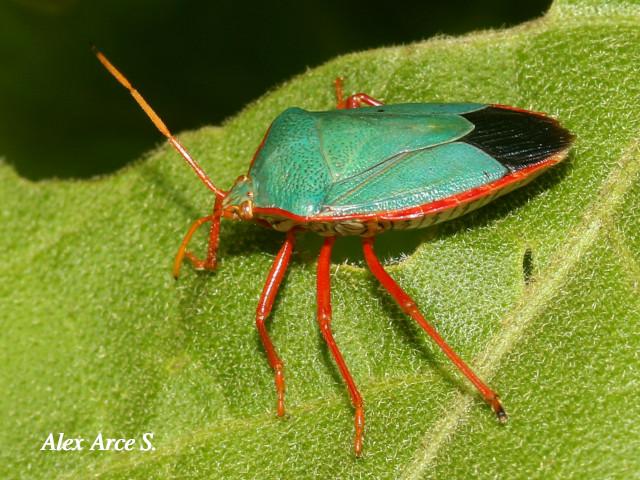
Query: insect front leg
x=210 y=262
x=324 y=319
x=268 y=296
x=409 y=307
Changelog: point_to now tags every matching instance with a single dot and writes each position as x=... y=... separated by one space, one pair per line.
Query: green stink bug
x=361 y=171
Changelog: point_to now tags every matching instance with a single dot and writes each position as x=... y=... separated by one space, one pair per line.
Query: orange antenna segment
x=157 y=121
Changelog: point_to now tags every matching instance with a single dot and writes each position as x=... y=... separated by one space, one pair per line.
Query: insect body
x=364 y=170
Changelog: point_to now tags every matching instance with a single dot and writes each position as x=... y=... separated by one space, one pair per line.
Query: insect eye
x=380 y=110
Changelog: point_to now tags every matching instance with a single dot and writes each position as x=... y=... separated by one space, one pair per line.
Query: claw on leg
x=198 y=263
x=359 y=427
x=497 y=407
x=279 y=379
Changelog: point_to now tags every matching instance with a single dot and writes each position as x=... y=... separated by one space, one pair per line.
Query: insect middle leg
x=352 y=101
x=324 y=319
x=268 y=296
x=409 y=307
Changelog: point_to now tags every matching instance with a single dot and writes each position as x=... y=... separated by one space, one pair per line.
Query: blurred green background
x=197 y=62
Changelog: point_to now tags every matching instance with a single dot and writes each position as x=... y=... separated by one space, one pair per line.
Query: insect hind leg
x=409 y=307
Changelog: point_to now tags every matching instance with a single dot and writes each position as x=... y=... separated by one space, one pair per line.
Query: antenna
x=153 y=116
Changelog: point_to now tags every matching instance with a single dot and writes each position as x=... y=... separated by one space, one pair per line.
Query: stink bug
x=362 y=170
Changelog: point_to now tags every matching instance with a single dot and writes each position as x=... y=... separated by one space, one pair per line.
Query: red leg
x=340 y=103
x=269 y=292
x=182 y=251
x=214 y=234
x=356 y=101
x=324 y=319
x=353 y=101
x=409 y=307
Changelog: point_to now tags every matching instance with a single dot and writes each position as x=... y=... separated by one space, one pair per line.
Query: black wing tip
x=517 y=138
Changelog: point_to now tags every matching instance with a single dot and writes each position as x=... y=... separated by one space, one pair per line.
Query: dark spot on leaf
x=527 y=266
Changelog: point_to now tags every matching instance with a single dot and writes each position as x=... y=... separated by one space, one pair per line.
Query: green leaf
x=97 y=337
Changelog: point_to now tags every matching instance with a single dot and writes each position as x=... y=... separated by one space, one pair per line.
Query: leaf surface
x=539 y=291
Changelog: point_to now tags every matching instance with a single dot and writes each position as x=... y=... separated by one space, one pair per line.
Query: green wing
x=413 y=178
x=368 y=159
